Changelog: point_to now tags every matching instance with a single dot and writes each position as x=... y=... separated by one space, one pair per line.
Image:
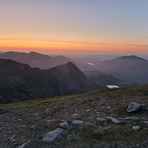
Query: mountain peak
x=130 y=57
x=70 y=64
x=67 y=66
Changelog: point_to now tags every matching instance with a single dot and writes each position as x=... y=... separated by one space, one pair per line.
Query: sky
x=103 y=26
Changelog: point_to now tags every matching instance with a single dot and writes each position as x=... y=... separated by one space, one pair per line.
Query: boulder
x=146 y=122
x=132 y=118
x=136 y=128
x=64 y=125
x=77 y=122
x=23 y=145
x=52 y=135
x=101 y=119
x=114 y=120
x=133 y=107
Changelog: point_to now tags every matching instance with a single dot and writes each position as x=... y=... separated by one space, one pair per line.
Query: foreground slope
x=27 y=122
x=20 y=81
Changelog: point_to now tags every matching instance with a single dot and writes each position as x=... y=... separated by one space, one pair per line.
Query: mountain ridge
x=130 y=57
x=35 y=59
x=20 y=81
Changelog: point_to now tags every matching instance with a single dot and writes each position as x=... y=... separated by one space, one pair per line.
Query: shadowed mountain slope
x=20 y=81
x=102 y=79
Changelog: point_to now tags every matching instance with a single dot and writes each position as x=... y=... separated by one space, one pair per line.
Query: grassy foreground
x=30 y=120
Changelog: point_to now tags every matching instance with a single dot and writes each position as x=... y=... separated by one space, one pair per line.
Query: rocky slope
x=20 y=81
x=101 y=118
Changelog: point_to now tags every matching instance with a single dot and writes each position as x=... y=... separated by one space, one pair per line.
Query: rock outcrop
x=133 y=107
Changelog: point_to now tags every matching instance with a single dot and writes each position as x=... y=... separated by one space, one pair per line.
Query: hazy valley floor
x=25 y=123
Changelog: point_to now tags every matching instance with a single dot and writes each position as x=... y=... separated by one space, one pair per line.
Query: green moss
x=119 y=134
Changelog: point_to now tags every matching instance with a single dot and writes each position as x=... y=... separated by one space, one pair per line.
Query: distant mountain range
x=130 y=69
x=35 y=59
x=20 y=81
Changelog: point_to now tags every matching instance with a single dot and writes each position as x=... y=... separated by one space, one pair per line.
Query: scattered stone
x=101 y=119
x=52 y=135
x=109 y=107
x=19 y=119
x=36 y=115
x=133 y=107
x=75 y=115
x=1 y=128
x=77 y=122
x=137 y=145
x=112 y=86
x=23 y=145
x=136 y=128
x=88 y=110
x=132 y=118
x=48 y=121
x=114 y=120
x=15 y=144
x=146 y=122
x=64 y=125
x=32 y=126
x=13 y=140
x=12 y=137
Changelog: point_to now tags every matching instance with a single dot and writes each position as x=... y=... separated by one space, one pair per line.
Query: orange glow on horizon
x=103 y=49
x=23 y=44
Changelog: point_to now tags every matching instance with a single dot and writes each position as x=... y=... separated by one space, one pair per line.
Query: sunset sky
x=104 y=26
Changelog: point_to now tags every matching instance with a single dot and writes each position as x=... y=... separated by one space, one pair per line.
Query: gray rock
x=146 y=122
x=132 y=118
x=52 y=135
x=75 y=116
x=64 y=125
x=77 y=122
x=133 y=106
x=101 y=119
x=136 y=128
x=114 y=120
x=23 y=145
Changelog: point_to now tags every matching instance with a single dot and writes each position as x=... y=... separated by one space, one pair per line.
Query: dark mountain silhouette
x=130 y=69
x=102 y=79
x=20 y=81
x=35 y=59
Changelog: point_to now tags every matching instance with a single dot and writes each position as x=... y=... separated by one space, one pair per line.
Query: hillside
x=102 y=79
x=129 y=69
x=19 y=81
x=95 y=119
x=35 y=59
